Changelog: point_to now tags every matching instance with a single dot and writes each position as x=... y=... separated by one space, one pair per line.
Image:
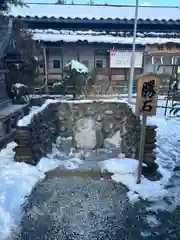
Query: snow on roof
x=113 y=33
x=95 y=11
x=91 y=37
x=81 y=68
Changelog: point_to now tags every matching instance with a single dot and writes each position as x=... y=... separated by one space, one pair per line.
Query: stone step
x=58 y=172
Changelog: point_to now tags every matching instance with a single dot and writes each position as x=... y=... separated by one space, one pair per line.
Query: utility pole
x=131 y=79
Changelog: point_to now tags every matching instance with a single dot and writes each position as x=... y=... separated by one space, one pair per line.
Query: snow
x=18 y=85
x=57 y=84
x=17 y=181
x=125 y=172
x=94 y=11
x=79 y=67
x=112 y=100
x=26 y=120
x=152 y=221
x=103 y=33
x=91 y=37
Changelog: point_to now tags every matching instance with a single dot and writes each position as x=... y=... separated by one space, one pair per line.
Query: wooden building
x=100 y=36
x=9 y=113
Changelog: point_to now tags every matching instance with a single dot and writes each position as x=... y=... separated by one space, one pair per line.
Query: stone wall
x=131 y=142
x=61 y=118
x=113 y=116
x=35 y=139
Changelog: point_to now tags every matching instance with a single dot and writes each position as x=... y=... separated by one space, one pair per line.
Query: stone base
x=151 y=173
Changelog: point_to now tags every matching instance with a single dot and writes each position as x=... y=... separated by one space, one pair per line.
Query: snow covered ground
x=18 y=179
x=16 y=183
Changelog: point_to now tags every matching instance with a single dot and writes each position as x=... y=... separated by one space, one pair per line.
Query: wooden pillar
x=94 y=72
x=45 y=68
x=109 y=71
x=78 y=55
x=62 y=62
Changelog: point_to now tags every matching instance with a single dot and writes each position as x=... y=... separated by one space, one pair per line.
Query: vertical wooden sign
x=146 y=104
x=147 y=94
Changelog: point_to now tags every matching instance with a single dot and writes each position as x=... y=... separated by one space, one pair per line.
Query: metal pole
x=141 y=148
x=133 y=54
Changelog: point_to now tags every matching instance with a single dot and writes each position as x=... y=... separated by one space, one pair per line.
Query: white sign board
x=122 y=59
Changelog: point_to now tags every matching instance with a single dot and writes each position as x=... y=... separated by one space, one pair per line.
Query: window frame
x=98 y=62
x=59 y=64
x=41 y=64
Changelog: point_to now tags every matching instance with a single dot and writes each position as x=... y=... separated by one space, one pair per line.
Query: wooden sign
x=156 y=49
x=178 y=69
x=147 y=94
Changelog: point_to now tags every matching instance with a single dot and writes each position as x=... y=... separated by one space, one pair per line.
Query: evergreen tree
x=91 y=2
x=61 y=2
x=20 y=45
x=6 y=4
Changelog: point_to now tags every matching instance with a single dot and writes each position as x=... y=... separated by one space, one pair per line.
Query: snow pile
x=26 y=120
x=57 y=84
x=79 y=67
x=172 y=34
x=107 y=38
x=49 y=163
x=125 y=172
x=17 y=181
x=19 y=85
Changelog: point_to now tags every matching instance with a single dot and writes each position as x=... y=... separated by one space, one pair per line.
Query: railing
x=112 y=90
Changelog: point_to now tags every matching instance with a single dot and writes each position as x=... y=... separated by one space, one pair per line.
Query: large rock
x=88 y=134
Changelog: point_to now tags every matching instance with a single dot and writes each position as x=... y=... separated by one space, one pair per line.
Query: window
x=41 y=64
x=86 y=63
x=101 y=52
x=56 y=63
x=99 y=64
x=161 y=47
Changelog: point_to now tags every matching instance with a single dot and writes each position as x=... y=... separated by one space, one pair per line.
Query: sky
x=120 y=2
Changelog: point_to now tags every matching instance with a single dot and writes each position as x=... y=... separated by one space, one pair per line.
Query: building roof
x=98 y=12
x=52 y=35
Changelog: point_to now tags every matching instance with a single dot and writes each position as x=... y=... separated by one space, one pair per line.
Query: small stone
x=87 y=134
x=99 y=118
x=176 y=169
x=61 y=117
x=62 y=129
x=108 y=112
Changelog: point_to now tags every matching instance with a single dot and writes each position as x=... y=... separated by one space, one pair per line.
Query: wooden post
x=94 y=71
x=146 y=103
x=45 y=68
x=62 y=62
x=141 y=149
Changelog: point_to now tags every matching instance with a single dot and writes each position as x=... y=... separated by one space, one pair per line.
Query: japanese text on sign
x=122 y=59
x=147 y=96
x=147 y=93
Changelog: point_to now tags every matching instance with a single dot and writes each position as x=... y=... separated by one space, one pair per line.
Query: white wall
x=87 y=54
